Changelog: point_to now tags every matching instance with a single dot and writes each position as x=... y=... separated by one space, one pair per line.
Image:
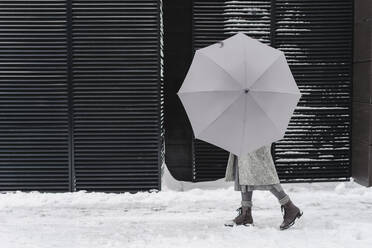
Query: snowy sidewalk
x=335 y=215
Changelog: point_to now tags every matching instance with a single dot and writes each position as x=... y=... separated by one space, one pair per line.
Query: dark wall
x=177 y=59
x=362 y=85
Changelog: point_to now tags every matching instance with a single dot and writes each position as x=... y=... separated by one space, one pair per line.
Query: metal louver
x=116 y=94
x=316 y=37
x=33 y=96
x=81 y=95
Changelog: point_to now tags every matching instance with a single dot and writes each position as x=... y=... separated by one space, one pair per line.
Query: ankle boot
x=244 y=217
x=291 y=213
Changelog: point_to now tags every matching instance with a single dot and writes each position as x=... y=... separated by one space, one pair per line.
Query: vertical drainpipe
x=160 y=88
x=193 y=165
x=71 y=161
x=272 y=43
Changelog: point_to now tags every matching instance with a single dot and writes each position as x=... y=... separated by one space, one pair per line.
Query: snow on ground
x=335 y=215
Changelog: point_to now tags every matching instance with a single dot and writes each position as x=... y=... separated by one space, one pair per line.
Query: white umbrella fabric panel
x=239 y=95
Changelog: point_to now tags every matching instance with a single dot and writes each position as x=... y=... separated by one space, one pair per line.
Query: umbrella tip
x=246 y=91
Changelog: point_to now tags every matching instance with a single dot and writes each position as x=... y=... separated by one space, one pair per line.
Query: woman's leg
x=245 y=214
x=279 y=193
x=247 y=198
x=245 y=211
x=291 y=211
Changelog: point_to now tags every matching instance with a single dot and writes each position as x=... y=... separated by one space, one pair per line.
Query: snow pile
x=335 y=215
x=168 y=182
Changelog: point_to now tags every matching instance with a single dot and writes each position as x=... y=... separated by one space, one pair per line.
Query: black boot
x=244 y=217
x=291 y=213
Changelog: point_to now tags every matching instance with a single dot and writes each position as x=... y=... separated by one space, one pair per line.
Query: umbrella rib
x=214 y=62
x=277 y=128
x=264 y=72
x=245 y=63
x=206 y=91
x=218 y=116
x=271 y=91
x=245 y=98
x=245 y=119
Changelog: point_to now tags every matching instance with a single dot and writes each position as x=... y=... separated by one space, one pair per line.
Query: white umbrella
x=239 y=94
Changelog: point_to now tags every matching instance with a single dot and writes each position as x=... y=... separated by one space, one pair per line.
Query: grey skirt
x=245 y=188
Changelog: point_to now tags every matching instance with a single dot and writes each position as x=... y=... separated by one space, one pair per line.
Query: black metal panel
x=81 y=95
x=177 y=58
x=316 y=37
x=33 y=96
x=117 y=94
x=218 y=20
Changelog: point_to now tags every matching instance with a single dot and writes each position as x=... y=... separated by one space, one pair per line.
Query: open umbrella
x=239 y=94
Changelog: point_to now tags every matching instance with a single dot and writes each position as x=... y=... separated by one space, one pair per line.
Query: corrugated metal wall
x=81 y=95
x=33 y=96
x=116 y=94
x=316 y=37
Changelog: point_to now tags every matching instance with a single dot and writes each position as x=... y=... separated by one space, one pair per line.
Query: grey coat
x=256 y=168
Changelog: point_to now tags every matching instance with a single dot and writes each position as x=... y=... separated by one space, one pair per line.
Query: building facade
x=88 y=90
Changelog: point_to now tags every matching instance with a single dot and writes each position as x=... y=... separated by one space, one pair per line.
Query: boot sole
x=248 y=224
x=293 y=222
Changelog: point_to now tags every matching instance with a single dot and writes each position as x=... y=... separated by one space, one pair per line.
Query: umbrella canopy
x=239 y=94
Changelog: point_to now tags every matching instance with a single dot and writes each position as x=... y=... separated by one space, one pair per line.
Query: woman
x=256 y=171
